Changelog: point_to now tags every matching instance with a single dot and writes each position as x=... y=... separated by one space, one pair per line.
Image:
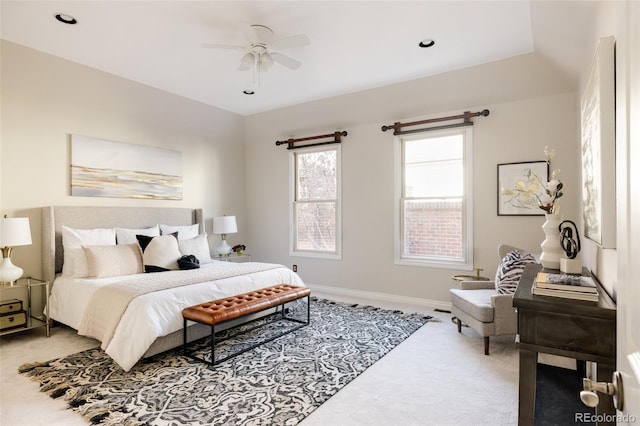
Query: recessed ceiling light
x=427 y=42
x=248 y=92
x=66 y=19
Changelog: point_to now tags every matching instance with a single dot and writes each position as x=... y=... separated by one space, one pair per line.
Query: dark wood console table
x=582 y=330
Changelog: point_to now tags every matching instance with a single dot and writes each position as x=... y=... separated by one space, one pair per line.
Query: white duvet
x=156 y=314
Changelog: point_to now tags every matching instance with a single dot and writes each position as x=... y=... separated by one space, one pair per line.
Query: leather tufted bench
x=219 y=311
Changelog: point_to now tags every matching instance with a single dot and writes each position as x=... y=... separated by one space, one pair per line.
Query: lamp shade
x=225 y=225
x=14 y=231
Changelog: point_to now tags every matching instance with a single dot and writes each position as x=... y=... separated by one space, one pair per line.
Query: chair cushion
x=510 y=270
x=476 y=303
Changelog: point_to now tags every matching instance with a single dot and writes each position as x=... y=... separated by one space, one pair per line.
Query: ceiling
x=354 y=45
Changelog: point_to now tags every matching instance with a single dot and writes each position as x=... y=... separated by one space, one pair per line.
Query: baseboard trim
x=382 y=300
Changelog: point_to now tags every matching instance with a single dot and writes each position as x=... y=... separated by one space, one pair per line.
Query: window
x=316 y=219
x=434 y=217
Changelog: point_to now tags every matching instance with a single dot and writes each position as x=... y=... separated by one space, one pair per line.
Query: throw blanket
x=109 y=303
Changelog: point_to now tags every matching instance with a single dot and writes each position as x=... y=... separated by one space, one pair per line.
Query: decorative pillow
x=75 y=262
x=159 y=253
x=198 y=246
x=510 y=270
x=184 y=231
x=188 y=261
x=128 y=235
x=113 y=261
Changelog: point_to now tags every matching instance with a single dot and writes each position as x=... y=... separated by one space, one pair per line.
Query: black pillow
x=188 y=261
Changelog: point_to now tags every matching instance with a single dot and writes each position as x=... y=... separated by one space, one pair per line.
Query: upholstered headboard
x=54 y=217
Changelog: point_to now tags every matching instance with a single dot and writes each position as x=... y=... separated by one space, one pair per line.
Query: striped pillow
x=510 y=270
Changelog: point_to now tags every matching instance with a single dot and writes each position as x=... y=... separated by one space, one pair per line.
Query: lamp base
x=9 y=272
x=223 y=248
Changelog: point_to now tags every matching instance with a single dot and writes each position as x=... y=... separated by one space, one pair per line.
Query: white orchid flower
x=549 y=152
x=553 y=186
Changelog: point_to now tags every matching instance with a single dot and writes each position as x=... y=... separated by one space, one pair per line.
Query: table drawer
x=10 y=305
x=595 y=336
x=13 y=320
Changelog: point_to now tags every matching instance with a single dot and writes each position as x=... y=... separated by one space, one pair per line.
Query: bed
x=147 y=320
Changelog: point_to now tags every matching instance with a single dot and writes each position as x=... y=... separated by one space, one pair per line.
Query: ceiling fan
x=261 y=49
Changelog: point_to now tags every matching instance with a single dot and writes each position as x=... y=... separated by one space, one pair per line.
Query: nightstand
x=28 y=283
x=232 y=257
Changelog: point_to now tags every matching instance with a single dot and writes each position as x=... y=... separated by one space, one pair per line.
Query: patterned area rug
x=278 y=383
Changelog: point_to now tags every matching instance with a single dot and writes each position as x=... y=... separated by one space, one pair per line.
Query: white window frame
x=467 y=202
x=293 y=250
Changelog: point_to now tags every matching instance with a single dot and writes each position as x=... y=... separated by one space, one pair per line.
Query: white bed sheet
x=155 y=314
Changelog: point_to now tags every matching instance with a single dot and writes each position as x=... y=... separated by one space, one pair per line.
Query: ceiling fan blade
x=223 y=46
x=291 y=41
x=285 y=60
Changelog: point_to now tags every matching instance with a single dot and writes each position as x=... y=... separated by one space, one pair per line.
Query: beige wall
x=530 y=107
x=45 y=99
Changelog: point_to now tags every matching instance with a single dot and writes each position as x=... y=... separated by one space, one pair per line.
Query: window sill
x=434 y=264
x=316 y=255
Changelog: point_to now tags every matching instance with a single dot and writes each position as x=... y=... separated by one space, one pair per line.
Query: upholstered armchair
x=479 y=305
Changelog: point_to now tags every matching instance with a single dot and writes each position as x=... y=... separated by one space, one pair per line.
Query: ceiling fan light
x=265 y=61
x=247 y=60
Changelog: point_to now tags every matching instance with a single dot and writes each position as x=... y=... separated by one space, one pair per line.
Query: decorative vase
x=551 y=249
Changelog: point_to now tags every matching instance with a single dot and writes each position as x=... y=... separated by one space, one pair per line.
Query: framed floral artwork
x=520 y=187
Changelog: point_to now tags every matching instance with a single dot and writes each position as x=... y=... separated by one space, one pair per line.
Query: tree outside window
x=315 y=206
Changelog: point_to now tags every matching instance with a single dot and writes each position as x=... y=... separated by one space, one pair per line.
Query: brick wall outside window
x=433 y=228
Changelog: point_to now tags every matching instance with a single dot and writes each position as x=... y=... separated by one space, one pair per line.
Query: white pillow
x=184 y=231
x=197 y=246
x=128 y=235
x=113 y=261
x=75 y=262
x=159 y=253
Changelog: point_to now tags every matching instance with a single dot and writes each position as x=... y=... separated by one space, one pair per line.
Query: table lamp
x=224 y=225
x=14 y=231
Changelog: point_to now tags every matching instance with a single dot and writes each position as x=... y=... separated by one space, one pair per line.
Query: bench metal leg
x=213 y=345
x=184 y=336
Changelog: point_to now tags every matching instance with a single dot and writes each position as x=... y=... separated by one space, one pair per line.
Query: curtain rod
x=466 y=117
x=337 y=138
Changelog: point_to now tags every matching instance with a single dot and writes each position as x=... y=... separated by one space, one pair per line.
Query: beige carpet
x=435 y=377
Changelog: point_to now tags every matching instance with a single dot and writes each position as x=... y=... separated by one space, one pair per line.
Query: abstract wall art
x=103 y=168
x=597 y=109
